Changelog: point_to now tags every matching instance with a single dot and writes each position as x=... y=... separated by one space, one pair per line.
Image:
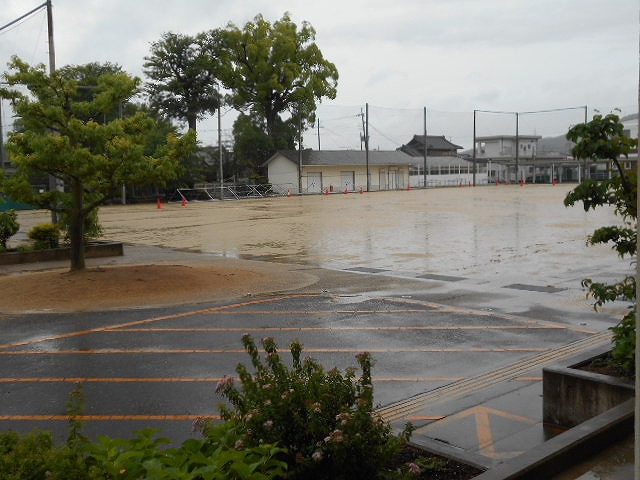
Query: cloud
x=448 y=55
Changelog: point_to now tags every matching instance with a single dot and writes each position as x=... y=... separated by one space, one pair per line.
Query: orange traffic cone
x=159 y=204
x=184 y=202
x=409 y=187
x=326 y=192
x=346 y=191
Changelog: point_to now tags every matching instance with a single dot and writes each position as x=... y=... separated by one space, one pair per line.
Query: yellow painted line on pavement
x=337 y=329
x=417 y=418
x=46 y=417
x=166 y=351
x=152 y=320
x=108 y=380
x=187 y=379
x=483 y=313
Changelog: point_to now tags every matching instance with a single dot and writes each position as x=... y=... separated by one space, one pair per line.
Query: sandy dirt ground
x=128 y=286
x=489 y=232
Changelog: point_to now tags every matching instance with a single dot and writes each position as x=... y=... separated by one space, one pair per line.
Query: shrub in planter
x=9 y=226
x=92 y=226
x=324 y=419
x=46 y=235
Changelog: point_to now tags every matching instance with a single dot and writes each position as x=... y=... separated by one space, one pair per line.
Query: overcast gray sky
x=399 y=56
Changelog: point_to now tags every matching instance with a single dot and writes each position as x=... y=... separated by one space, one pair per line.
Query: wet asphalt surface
x=429 y=330
x=159 y=368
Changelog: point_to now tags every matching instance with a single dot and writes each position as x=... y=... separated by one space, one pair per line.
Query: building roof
x=434 y=142
x=344 y=157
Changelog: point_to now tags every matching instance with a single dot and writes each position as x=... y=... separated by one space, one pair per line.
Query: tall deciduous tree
x=603 y=138
x=62 y=139
x=184 y=71
x=253 y=146
x=275 y=69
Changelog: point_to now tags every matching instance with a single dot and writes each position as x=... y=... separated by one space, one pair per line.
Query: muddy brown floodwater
x=484 y=232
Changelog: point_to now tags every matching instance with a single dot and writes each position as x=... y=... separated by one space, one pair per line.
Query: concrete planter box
x=95 y=249
x=594 y=411
x=572 y=396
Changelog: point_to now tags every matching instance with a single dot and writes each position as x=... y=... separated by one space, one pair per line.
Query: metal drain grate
x=366 y=270
x=534 y=288
x=443 y=278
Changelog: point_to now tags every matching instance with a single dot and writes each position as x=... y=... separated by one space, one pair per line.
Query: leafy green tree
x=62 y=139
x=87 y=77
x=603 y=138
x=253 y=146
x=275 y=69
x=184 y=72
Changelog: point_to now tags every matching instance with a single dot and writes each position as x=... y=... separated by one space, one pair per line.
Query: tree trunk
x=192 y=122
x=76 y=226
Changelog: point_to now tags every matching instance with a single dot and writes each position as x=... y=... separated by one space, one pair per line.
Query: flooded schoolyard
x=484 y=232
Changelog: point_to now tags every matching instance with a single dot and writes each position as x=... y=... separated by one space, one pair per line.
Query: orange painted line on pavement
x=336 y=329
x=483 y=313
x=528 y=379
x=151 y=320
x=113 y=351
x=186 y=379
x=417 y=418
x=317 y=312
x=417 y=379
x=108 y=380
x=107 y=417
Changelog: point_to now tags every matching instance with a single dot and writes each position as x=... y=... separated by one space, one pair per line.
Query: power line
x=31 y=12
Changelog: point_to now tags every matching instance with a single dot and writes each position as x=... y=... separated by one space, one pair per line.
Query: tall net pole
x=636 y=448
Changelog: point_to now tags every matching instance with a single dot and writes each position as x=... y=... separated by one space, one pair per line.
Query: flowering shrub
x=324 y=419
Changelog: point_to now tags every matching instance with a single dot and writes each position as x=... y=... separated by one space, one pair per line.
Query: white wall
x=282 y=171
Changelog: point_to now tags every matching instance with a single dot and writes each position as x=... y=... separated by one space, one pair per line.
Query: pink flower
x=224 y=383
x=413 y=468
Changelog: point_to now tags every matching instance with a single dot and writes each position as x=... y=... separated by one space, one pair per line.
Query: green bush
x=218 y=456
x=45 y=235
x=34 y=456
x=9 y=226
x=213 y=458
x=92 y=226
x=324 y=419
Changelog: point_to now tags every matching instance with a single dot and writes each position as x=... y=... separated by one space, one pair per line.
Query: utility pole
x=474 y=148
x=426 y=146
x=636 y=422
x=517 y=145
x=300 y=150
x=366 y=143
x=54 y=183
x=318 y=134
x=2 y=156
x=220 y=172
